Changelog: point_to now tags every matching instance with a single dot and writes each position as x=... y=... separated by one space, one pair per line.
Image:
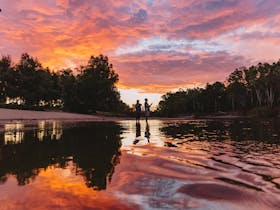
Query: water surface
x=201 y=164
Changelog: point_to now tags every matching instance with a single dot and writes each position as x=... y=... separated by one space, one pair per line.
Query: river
x=195 y=164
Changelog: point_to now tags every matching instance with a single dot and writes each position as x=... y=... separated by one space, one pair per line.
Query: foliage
x=29 y=84
x=245 y=89
x=97 y=79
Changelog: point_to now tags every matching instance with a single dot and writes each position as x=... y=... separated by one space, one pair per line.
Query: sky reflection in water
x=166 y=164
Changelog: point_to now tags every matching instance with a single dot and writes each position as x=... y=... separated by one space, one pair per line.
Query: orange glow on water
x=183 y=164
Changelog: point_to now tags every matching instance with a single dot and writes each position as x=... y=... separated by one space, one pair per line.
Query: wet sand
x=28 y=115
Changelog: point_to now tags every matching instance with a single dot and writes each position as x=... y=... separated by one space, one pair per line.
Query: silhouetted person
x=147 y=132
x=138 y=132
x=147 y=109
x=138 y=110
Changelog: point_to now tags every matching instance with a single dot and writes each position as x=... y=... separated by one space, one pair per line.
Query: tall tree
x=28 y=83
x=236 y=89
x=5 y=70
x=69 y=94
x=97 y=85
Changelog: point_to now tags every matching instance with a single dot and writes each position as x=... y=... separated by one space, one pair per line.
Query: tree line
x=87 y=89
x=253 y=89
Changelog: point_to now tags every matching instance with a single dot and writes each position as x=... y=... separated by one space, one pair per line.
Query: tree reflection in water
x=236 y=130
x=93 y=148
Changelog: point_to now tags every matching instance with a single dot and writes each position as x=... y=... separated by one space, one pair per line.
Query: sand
x=27 y=115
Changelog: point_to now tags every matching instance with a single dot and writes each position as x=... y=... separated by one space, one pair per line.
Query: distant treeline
x=255 y=90
x=93 y=87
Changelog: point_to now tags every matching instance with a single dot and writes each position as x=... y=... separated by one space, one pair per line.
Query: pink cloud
x=206 y=39
x=167 y=72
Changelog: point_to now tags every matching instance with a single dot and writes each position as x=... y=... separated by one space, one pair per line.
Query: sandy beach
x=28 y=115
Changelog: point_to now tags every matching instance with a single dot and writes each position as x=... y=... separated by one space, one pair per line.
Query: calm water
x=164 y=165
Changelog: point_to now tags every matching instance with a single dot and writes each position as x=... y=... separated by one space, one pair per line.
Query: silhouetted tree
x=245 y=89
x=69 y=90
x=5 y=70
x=92 y=89
x=96 y=85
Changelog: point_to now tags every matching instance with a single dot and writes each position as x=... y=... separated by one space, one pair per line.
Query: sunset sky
x=155 y=45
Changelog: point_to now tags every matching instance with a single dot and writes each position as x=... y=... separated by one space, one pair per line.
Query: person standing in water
x=138 y=110
x=147 y=109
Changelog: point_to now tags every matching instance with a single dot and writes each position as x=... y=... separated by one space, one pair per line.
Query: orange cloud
x=163 y=44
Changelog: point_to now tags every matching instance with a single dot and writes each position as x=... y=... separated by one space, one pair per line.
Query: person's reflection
x=138 y=129
x=147 y=132
x=138 y=132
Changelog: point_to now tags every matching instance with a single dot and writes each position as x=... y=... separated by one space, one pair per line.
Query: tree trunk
x=193 y=105
x=270 y=96
x=215 y=105
x=258 y=93
x=252 y=98
x=232 y=104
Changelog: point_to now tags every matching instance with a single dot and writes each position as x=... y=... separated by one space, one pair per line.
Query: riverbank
x=28 y=115
x=9 y=115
